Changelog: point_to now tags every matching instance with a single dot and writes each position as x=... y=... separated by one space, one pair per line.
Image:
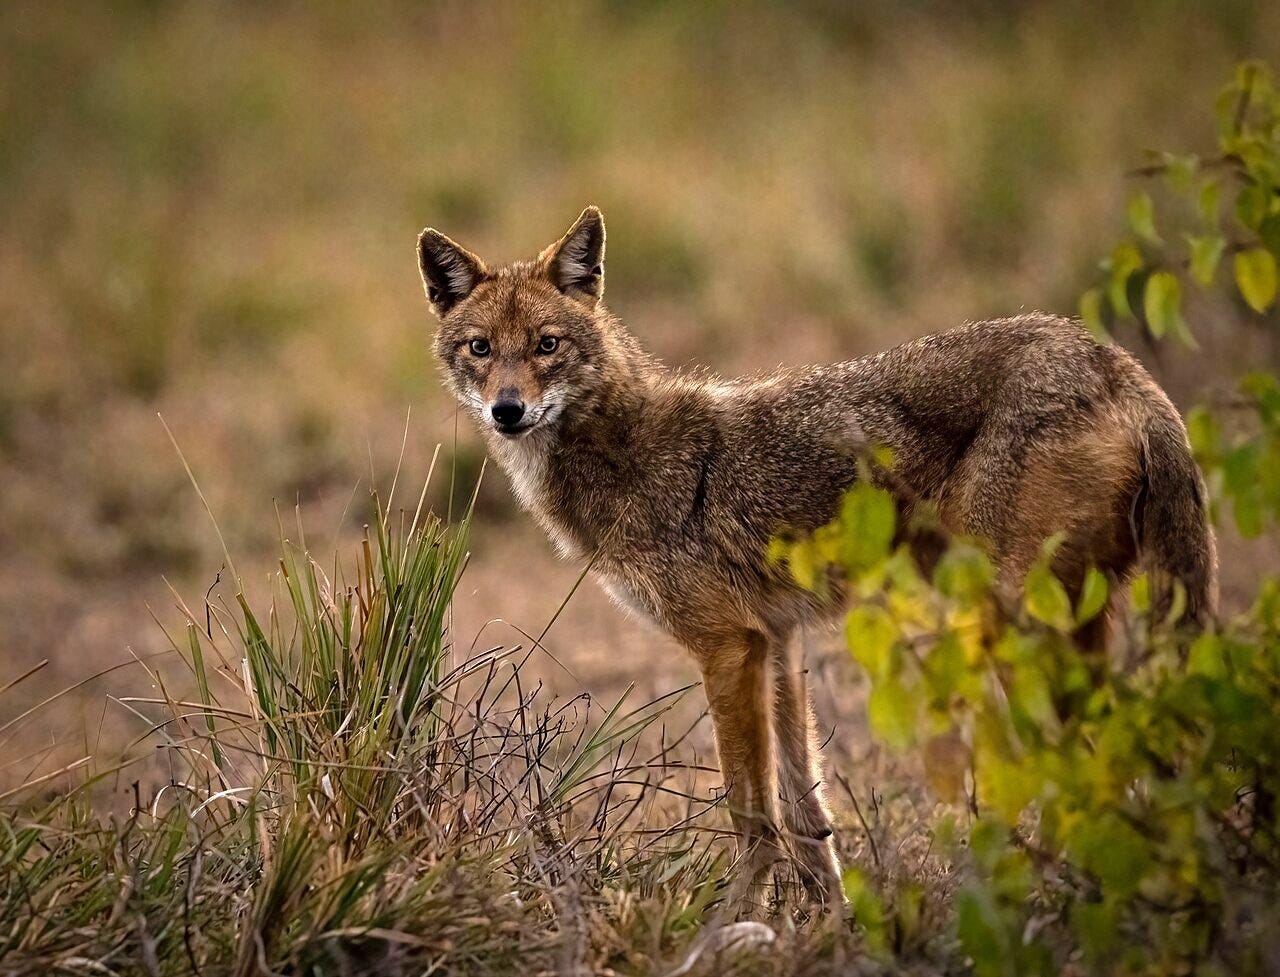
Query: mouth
x=514 y=432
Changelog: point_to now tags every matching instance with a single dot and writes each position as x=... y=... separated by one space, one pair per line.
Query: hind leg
x=1077 y=476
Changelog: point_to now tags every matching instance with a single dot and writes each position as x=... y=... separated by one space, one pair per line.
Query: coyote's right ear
x=449 y=271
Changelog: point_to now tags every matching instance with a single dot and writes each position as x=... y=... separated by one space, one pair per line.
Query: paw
x=807 y=819
x=820 y=873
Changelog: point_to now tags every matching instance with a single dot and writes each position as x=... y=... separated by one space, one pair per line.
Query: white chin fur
x=523 y=458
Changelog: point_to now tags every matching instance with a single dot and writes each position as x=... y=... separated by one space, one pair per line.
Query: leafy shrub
x=1128 y=806
x=1220 y=209
x=1123 y=812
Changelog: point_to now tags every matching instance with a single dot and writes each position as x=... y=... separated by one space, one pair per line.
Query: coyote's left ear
x=576 y=262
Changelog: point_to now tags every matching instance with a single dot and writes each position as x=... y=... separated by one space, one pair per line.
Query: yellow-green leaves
x=1241 y=91
x=1140 y=594
x=1256 y=277
x=872 y=634
x=1206 y=657
x=1093 y=596
x=1253 y=205
x=1162 y=306
x=892 y=710
x=859 y=542
x=1005 y=785
x=868 y=518
x=802 y=557
x=946 y=668
x=1142 y=218
x=1112 y=851
x=1145 y=275
x=865 y=906
x=1046 y=600
x=1092 y=316
x=1206 y=252
x=1125 y=260
x=1204 y=433
x=965 y=574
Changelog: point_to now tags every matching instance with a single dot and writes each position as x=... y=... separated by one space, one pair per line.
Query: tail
x=1171 y=519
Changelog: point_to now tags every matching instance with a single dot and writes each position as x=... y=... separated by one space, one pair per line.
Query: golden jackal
x=673 y=486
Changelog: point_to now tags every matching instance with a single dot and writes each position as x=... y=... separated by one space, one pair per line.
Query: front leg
x=804 y=812
x=735 y=673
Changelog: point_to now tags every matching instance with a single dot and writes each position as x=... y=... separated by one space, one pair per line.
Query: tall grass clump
x=349 y=791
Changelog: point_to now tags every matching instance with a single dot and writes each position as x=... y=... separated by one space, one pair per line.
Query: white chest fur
x=525 y=462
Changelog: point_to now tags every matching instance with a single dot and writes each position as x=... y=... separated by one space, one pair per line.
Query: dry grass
x=350 y=792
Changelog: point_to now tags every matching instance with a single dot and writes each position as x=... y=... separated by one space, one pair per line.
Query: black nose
x=507 y=412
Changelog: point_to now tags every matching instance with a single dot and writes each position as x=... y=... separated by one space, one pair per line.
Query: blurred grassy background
x=208 y=210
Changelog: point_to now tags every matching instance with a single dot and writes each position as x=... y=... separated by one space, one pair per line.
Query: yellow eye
x=548 y=344
x=479 y=347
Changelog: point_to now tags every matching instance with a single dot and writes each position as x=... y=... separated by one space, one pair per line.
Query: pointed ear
x=449 y=271
x=576 y=263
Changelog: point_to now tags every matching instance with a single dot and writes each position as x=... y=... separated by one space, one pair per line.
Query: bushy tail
x=1172 y=520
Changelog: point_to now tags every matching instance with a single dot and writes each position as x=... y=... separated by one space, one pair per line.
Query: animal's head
x=524 y=344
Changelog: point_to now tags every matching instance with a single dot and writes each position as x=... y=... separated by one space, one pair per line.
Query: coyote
x=673 y=486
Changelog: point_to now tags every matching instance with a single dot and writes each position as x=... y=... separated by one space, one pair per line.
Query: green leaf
x=1093 y=596
x=1241 y=91
x=988 y=843
x=872 y=635
x=1162 y=305
x=964 y=573
x=891 y=710
x=944 y=667
x=1247 y=511
x=1097 y=924
x=1113 y=851
x=1124 y=262
x=1140 y=594
x=865 y=906
x=1240 y=468
x=1180 y=171
x=1269 y=231
x=804 y=565
x=1253 y=205
x=1206 y=252
x=1206 y=657
x=868 y=518
x=1142 y=218
x=1091 y=313
x=1207 y=205
x=1256 y=277
x=1046 y=600
x=1204 y=433
x=1029 y=693
x=1264 y=388
x=1006 y=786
